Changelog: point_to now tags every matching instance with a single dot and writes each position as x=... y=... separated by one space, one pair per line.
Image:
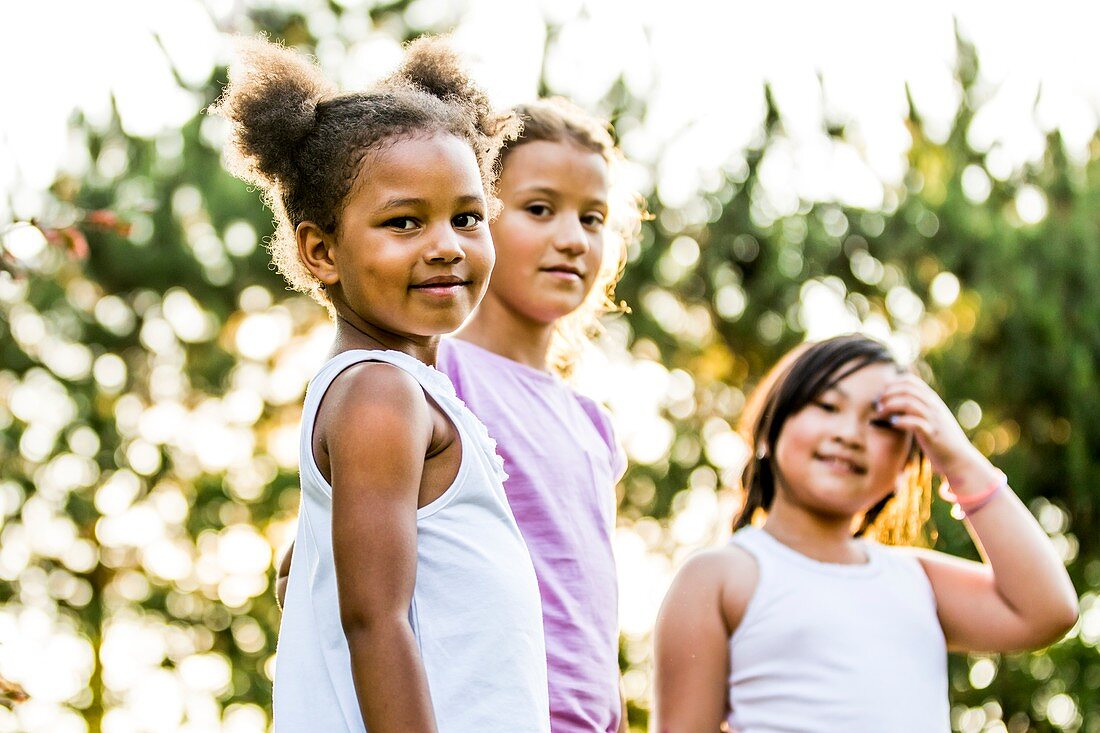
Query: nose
x=445 y=247
x=570 y=237
x=848 y=430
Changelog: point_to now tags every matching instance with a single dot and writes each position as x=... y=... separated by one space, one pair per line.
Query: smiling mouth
x=441 y=284
x=842 y=464
x=564 y=270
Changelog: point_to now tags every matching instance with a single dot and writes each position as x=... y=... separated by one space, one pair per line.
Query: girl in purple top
x=558 y=257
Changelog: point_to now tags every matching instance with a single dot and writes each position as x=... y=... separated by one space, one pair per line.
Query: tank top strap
x=435 y=384
x=749 y=539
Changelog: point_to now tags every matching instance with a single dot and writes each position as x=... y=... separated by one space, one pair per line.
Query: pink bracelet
x=968 y=511
x=970 y=504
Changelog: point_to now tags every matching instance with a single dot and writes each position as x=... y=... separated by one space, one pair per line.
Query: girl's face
x=549 y=236
x=412 y=252
x=839 y=455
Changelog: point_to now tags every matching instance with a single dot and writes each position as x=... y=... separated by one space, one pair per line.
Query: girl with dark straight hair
x=809 y=619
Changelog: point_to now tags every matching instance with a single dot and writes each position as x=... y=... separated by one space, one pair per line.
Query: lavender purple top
x=563 y=462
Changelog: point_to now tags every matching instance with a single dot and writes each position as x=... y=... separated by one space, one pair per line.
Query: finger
x=898 y=401
x=934 y=405
x=910 y=379
x=909 y=387
x=919 y=426
x=904 y=405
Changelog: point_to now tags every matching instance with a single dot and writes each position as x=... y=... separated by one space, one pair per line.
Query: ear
x=315 y=251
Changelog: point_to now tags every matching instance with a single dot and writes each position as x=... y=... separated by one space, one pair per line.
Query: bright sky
x=699 y=64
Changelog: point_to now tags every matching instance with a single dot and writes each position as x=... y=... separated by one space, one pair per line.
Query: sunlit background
x=925 y=173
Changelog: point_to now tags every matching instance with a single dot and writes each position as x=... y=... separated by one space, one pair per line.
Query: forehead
x=865 y=383
x=423 y=166
x=560 y=165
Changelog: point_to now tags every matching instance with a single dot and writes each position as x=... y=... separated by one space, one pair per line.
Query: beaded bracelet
x=968 y=505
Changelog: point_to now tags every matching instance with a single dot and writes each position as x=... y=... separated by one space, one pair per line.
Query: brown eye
x=593 y=221
x=401 y=223
x=467 y=221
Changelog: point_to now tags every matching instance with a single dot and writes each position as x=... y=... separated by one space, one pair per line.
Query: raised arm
x=375 y=427
x=691 y=640
x=1021 y=597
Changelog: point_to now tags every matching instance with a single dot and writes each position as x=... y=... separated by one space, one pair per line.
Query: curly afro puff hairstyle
x=302 y=142
x=558 y=120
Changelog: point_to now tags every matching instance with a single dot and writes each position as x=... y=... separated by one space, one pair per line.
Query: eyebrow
x=466 y=200
x=548 y=191
x=843 y=395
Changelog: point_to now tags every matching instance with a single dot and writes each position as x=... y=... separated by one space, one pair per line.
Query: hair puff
x=304 y=144
x=271 y=101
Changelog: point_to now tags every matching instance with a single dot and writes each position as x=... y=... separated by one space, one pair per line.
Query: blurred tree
x=149 y=394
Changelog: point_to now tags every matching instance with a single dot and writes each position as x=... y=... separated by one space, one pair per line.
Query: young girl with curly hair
x=805 y=624
x=412 y=603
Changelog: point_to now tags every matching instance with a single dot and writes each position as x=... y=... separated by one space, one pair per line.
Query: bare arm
x=375 y=487
x=282 y=575
x=691 y=640
x=1021 y=597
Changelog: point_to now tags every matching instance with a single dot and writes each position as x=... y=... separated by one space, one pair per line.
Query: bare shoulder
x=373 y=390
x=374 y=400
x=726 y=576
x=726 y=564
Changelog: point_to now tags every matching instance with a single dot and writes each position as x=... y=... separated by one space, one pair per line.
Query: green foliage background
x=1021 y=340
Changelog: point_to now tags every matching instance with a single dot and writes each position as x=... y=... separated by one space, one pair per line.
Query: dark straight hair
x=797 y=380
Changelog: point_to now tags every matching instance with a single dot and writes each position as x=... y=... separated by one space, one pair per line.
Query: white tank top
x=475 y=609
x=827 y=647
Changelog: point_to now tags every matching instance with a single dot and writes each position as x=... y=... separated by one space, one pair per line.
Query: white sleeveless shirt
x=826 y=647
x=475 y=609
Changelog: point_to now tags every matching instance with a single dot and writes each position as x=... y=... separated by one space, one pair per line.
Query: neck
x=823 y=538
x=352 y=332
x=500 y=330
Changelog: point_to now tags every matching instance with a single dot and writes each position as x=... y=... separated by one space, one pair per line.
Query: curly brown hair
x=302 y=142
x=558 y=120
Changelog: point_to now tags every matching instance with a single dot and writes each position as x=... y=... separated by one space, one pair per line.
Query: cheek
x=797 y=435
x=794 y=447
x=596 y=246
x=481 y=255
x=891 y=452
x=593 y=259
x=516 y=249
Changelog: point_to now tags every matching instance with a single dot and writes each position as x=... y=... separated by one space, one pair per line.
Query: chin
x=838 y=506
x=443 y=330
x=442 y=326
x=556 y=311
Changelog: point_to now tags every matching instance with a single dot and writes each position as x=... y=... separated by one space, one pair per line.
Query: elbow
x=1067 y=611
x=1061 y=618
x=1067 y=618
